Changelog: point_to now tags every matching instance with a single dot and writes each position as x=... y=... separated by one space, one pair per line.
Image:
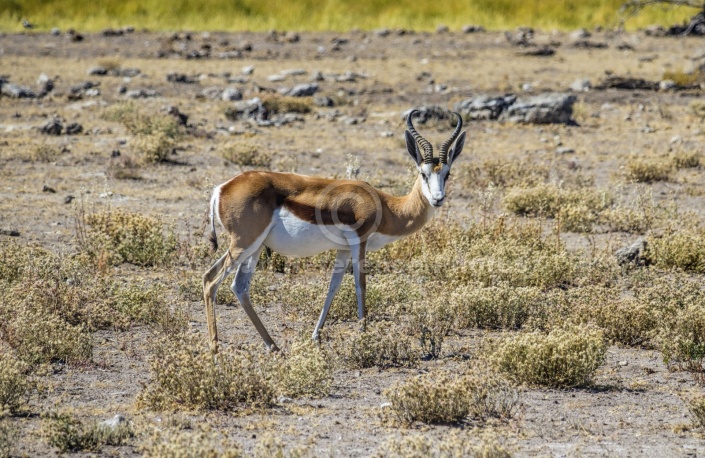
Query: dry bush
x=453 y=445
x=247 y=154
x=503 y=173
x=155 y=136
x=44 y=153
x=577 y=209
x=170 y=443
x=115 y=236
x=124 y=168
x=562 y=358
x=8 y=438
x=382 y=344
x=430 y=322
x=683 y=341
x=696 y=407
x=447 y=399
x=184 y=373
x=684 y=249
x=304 y=371
x=648 y=170
x=276 y=103
x=146 y=304
x=270 y=446
x=686 y=159
x=14 y=382
x=69 y=434
x=496 y=307
x=682 y=78
x=625 y=321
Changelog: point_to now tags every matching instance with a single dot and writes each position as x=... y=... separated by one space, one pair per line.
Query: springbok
x=297 y=215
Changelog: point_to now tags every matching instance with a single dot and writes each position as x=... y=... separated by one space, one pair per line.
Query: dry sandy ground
x=634 y=408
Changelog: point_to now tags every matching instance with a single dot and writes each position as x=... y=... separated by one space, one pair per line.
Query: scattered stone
x=629 y=83
x=114 y=422
x=248 y=70
x=655 y=31
x=632 y=254
x=68 y=199
x=112 y=32
x=127 y=72
x=303 y=90
x=676 y=139
x=442 y=28
x=587 y=44
x=230 y=94
x=484 y=107
x=74 y=129
x=284 y=400
x=550 y=108
x=276 y=78
x=180 y=117
x=9 y=232
x=94 y=92
x=98 y=70
x=294 y=72
x=473 y=29
x=565 y=150
x=74 y=36
x=48 y=189
x=180 y=78
x=382 y=32
x=428 y=113
x=212 y=93
x=623 y=363
x=55 y=31
x=77 y=91
x=122 y=89
x=579 y=34
x=522 y=36
x=580 y=85
x=141 y=93
x=53 y=127
x=16 y=91
x=667 y=85
x=46 y=85
x=543 y=51
x=625 y=47
x=323 y=101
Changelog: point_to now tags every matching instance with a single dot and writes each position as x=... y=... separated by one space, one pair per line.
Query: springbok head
x=434 y=171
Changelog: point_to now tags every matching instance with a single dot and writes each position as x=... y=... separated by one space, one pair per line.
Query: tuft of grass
x=186 y=374
x=14 y=382
x=687 y=159
x=431 y=322
x=8 y=438
x=247 y=154
x=681 y=78
x=44 y=153
x=446 y=399
x=304 y=371
x=683 y=341
x=563 y=358
x=154 y=136
x=382 y=344
x=454 y=444
x=69 y=434
x=115 y=236
x=648 y=170
x=684 y=250
x=696 y=407
x=496 y=307
x=276 y=103
x=171 y=443
x=124 y=168
x=577 y=209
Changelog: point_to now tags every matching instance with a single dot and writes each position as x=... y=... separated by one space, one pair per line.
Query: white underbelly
x=292 y=236
x=377 y=240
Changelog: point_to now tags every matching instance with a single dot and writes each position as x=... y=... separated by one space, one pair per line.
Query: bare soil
x=635 y=407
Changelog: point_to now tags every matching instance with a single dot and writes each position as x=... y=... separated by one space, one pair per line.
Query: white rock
x=581 y=85
x=114 y=422
x=667 y=85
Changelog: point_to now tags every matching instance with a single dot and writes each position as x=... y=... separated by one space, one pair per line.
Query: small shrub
x=445 y=399
x=14 y=382
x=124 y=168
x=181 y=444
x=44 y=153
x=645 y=170
x=247 y=154
x=8 y=438
x=123 y=236
x=453 y=445
x=185 y=373
x=496 y=307
x=696 y=407
x=683 y=250
x=70 y=434
x=682 y=78
x=284 y=104
x=562 y=358
x=304 y=371
x=431 y=322
x=683 y=341
x=686 y=159
x=155 y=136
x=382 y=344
x=146 y=304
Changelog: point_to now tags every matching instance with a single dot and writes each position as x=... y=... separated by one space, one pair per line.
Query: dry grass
x=382 y=344
x=562 y=358
x=170 y=443
x=447 y=399
x=456 y=444
x=14 y=382
x=247 y=154
x=69 y=434
x=648 y=170
x=680 y=249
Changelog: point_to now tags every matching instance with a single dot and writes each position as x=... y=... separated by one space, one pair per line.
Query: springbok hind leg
x=241 y=288
x=211 y=280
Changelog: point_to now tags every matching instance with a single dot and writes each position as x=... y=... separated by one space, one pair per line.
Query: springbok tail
x=212 y=237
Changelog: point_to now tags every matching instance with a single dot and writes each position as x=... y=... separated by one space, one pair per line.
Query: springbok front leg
x=342 y=259
x=358 y=262
x=241 y=288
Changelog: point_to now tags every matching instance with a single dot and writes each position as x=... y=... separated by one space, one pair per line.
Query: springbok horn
x=443 y=151
x=425 y=144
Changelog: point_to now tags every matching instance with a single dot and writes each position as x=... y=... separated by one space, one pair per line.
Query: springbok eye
x=425 y=178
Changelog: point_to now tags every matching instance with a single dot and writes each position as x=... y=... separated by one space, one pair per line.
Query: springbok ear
x=412 y=147
x=457 y=149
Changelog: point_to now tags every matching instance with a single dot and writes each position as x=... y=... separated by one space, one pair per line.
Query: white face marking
x=434 y=182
